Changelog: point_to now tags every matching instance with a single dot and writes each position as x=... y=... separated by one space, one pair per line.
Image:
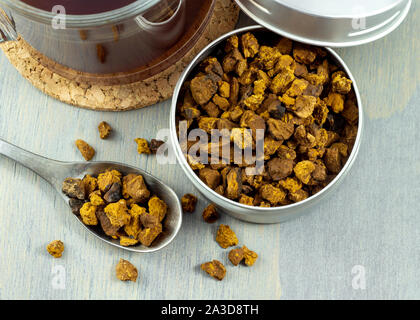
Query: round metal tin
x=236 y=209
x=328 y=23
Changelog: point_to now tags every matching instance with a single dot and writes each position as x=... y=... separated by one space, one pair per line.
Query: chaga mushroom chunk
x=203 y=88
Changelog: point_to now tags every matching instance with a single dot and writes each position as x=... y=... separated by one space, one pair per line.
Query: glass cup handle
x=166 y=32
x=7 y=28
x=142 y=20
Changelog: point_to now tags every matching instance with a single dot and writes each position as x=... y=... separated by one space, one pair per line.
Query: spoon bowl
x=56 y=171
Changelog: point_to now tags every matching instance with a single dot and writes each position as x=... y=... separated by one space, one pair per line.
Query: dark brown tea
x=80 y=6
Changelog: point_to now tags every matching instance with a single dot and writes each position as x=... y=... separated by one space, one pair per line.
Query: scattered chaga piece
x=208 y=123
x=250 y=256
x=301 y=70
x=244 y=199
x=305 y=106
x=125 y=271
x=74 y=188
x=270 y=147
x=224 y=89
x=157 y=208
x=188 y=202
x=91 y=183
x=333 y=160
x=155 y=145
x=335 y=101
x=303 y=170
x=236 y=256
x=291 y=184
x=148 y=235
x=85 y=149
x=114 y=193
x=88 y=214
x=279 y=129
x=133 y=228
x=250 y=45
x=350 y=112
x=336 y=123
x=210 y=177
x=297 y=87
x=215 y=269
x=75 y=205
x=221 y=102
x=232 y=43
x=107 y=179
x=282 y=80
x=242 y=137
x=96 y=199
x=210 y=214
x=104 y=130
x=313 y=90
x=274 y=107
x=142 y=146
x=203 y=88
x=212 y=66
x=273 y=194
x=118 y=213
x=251 y=120
x=299 y=195
x=220 y=190
x=56 y=248
x=304 y=54
x=340 y=83
x=226 y=237
x=212 y=110
x=279 y=169
x=106 y=225
x=128 y=241
x=191 y=113
x=285 y=45
x=135 y=187
x=234 y=183
x=149 y=221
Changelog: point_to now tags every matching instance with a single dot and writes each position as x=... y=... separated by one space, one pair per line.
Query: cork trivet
x=117 y=97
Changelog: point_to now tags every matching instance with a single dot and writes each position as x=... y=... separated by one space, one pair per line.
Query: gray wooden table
x=363 y=242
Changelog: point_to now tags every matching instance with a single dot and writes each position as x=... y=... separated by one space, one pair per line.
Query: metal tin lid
x=329 y=23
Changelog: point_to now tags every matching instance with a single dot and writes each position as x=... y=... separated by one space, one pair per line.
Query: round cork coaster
x=118 y=97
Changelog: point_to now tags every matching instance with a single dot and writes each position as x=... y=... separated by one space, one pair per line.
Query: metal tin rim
x=306 y=40
x=200 y=184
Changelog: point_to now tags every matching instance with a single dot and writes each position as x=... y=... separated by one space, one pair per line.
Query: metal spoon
x=56 y=171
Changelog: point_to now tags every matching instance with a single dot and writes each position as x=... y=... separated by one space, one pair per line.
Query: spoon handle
x=50 y=170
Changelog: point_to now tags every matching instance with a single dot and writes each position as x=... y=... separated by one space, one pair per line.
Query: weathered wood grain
x=372 y=220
